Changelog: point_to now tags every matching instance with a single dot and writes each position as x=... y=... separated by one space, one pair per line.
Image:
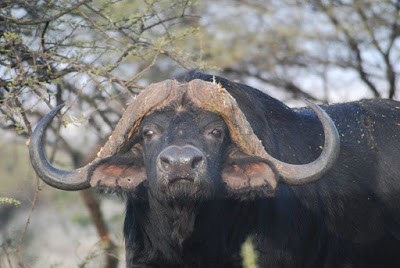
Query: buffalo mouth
x=181 y=180
x=185 y=188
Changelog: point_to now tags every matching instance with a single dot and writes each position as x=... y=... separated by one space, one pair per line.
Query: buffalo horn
x=306 y=173
x=70 y=180
x=215 y=98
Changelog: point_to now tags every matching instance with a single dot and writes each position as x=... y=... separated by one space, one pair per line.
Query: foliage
x=9 y=201
x=249 y=254
x=85 y=52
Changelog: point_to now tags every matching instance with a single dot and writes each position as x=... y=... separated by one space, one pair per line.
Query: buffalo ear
x=242 y=171
x=120 y=171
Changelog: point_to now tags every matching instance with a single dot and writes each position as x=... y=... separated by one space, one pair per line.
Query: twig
x=46 y=26
x=46 y=20
x=7 y=255
x=110 y=248
x=22 y=236
x=23 y=114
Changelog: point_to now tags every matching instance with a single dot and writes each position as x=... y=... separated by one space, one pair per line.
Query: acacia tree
x=370 y=34
x=89 y=54
x=329 y=50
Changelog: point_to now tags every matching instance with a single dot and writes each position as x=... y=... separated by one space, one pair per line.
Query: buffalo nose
x=180 y=161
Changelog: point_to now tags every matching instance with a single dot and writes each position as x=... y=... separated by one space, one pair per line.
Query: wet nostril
x=196 y=161
x=165 y=159
x=165 y=162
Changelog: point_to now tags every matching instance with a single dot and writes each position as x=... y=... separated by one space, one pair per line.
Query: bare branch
x=45 y=20
x=97 y=216
x=280 y=83
x=353 y=45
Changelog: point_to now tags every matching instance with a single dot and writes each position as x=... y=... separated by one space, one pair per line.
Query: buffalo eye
x=148 y=134
x=216 y=133
x=151 y=131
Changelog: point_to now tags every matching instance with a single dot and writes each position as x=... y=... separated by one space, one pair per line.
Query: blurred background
x=96 y=55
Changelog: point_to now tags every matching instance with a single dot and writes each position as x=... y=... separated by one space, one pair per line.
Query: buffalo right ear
x=244 y=172
x=120 y=171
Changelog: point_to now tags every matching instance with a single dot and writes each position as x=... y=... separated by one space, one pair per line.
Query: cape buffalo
x=205 y=163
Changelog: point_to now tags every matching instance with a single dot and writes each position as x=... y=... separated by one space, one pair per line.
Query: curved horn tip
x=70 y=180
x=307 y=173
x=46 y=120
x=53 y=112
x=58 y=108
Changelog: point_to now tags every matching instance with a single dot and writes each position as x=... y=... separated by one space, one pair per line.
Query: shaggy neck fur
x=190 y=234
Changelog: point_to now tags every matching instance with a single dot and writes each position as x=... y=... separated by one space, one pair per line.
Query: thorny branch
x=45 y=20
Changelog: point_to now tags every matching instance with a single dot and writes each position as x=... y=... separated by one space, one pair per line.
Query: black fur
x=349 y=218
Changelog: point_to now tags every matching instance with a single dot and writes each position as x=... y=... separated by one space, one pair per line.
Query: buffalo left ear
x=121 y=171
x=242 y=171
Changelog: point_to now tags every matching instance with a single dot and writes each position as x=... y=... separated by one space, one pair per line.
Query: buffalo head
x=184 y=140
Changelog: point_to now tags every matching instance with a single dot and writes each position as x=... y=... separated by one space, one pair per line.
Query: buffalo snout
x=181 y=163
